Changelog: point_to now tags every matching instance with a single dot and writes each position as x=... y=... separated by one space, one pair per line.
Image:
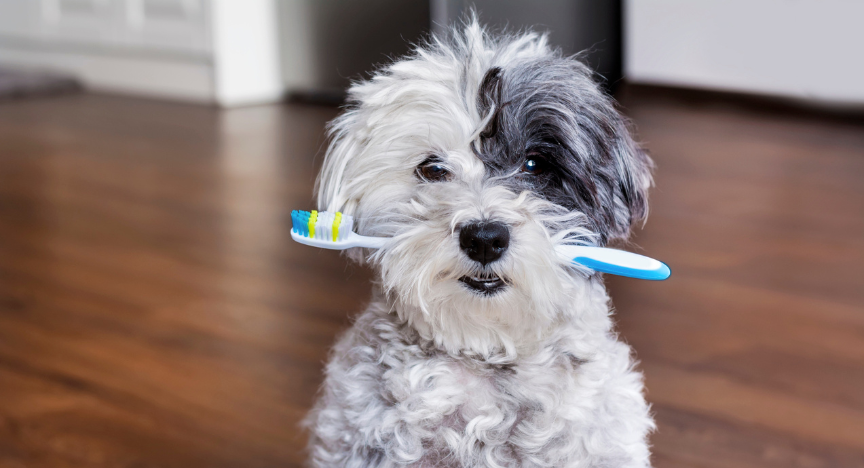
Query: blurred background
x=155 y=313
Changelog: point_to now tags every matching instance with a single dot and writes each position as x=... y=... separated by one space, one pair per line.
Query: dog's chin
x=484 y=284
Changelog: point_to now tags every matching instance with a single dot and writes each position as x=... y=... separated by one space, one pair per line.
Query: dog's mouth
x=486 y=284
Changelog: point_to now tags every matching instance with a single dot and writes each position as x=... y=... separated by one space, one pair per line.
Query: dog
x=477 y=154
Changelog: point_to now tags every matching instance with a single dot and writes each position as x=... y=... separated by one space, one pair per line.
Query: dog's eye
x=431 y=170
x=535 y=164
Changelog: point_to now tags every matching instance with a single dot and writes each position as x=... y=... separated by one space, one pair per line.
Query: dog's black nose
x=484 y=242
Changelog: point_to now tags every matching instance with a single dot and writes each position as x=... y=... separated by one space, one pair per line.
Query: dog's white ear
x=343 y=148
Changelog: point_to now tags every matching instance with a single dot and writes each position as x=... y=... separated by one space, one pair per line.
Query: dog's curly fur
x=435 y=373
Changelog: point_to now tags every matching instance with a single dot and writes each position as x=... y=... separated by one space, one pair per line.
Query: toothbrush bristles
x=322 y=225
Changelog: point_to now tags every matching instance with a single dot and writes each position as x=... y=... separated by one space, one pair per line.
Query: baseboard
x=186 y=80
x=850 y=112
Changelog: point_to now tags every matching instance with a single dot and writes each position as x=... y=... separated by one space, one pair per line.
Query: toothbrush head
x=322 y=225
x=334 y=231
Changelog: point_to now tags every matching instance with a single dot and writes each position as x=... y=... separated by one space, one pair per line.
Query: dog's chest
x=455 y=406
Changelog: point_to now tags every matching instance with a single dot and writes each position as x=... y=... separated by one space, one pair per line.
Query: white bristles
x=324 y=226
x=346 y=227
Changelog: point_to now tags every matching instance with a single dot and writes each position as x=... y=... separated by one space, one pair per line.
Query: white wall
x=246 y=62
x=811 y=49
x=211 y=51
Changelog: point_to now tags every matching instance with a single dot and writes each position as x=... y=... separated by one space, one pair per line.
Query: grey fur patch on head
x=551 y=107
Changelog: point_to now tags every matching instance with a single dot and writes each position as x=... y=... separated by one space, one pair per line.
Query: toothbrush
x=335 y=231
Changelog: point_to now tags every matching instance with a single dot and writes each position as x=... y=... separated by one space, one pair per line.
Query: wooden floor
x=154 y=312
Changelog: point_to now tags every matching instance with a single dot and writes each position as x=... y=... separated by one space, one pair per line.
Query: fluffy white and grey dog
x=478 y=155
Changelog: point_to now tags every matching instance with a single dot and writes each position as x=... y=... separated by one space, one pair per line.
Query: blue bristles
x=300 y=222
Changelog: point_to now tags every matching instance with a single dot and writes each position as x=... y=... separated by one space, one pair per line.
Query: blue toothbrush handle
x=616 y=262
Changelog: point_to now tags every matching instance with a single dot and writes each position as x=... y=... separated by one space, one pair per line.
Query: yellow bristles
x=313 y=218
x=336 y=221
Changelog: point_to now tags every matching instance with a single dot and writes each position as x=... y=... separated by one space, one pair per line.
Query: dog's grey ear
x=343 y=147
x=633 y=169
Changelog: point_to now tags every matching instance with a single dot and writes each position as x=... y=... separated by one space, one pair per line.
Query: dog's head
x=478 y=155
